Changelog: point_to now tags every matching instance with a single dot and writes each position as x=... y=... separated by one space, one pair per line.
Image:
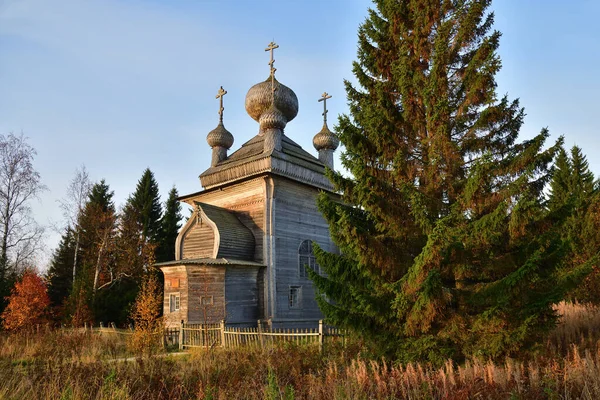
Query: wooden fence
x=220 y=335
x=212 y=335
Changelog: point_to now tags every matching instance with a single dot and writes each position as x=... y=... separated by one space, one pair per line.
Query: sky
x=122 y=85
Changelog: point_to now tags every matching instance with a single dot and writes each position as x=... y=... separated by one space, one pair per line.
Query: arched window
x=306 y=259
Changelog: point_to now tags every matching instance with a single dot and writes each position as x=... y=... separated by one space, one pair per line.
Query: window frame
x=177 y=306
x=310 y=259
x=298 y=304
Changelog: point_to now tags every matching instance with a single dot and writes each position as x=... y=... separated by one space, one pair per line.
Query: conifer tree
x=574 y=196
x=560 y=186
x=446 y=249
x=98 y=233
x=582 y=179
x=146 y=200
x=60 y=273
x=170 y=224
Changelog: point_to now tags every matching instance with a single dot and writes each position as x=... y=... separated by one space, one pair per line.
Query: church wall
x=247 y=200
x=175 y=283
x=242 y=294
x=296 y=219
x=198 y=242
x=206 y=285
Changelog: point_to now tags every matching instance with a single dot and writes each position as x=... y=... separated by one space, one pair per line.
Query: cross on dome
x=222 y=92
x=324 y=98
x=271 y=47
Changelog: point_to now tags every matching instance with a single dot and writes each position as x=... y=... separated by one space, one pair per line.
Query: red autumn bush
x=27 y=304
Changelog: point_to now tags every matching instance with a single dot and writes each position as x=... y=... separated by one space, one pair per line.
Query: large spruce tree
x=446 y=247
x=146 y=201
x=170 y=224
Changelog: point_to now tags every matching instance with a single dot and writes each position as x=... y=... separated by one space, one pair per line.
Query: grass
x=74 y=365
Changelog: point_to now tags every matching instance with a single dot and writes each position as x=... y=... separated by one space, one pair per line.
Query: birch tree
x=73 y=204
x=20 y=235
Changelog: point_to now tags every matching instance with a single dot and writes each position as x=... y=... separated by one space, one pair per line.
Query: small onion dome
x=220 y=137
x=260 y=97
x=272 y=118
x=325 y=139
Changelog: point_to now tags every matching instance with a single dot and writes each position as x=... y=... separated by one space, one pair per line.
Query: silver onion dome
x=272 y=118
x=220 y=137
x=325 y=139
x=260 y=97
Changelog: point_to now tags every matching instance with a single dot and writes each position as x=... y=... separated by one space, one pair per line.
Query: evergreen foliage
x=446 y=247
x=60 y=273
x=170 y=225
x=574 y=196
x=146 y=200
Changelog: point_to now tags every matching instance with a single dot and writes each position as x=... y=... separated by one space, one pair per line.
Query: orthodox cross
x=272 y=46
x=324 y=98
x=222 y=92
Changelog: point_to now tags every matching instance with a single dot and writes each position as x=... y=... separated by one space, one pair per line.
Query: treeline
x=105 y=254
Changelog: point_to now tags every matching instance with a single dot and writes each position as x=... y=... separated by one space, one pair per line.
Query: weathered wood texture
x=246 y=199
x=242 y=294
x=206 y=289
x=198 y=241
x=175 y=275
x=235 y=240
x=296 y=218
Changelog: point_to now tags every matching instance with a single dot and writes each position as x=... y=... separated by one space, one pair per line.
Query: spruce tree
x=146 y=200
x=170 y=224
x=582 y=179
x=446 y=249
x=60 y=273
x=560 y=186
x=574 y=196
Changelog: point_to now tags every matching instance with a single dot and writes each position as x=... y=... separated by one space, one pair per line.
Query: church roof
x=251 y=159
x=210 y=261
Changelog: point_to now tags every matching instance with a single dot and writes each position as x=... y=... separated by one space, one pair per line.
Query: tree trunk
x=75 y=256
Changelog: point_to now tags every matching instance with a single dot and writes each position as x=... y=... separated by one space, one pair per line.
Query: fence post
x=260 y=334
x=222 y=333
x=181 y=336
x=321 y=335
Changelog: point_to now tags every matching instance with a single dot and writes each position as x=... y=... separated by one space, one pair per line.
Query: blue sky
x=121 y=85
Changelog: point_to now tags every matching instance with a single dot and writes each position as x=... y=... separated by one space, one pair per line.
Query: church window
x=306 y=259
x=174 y=302
x=295 y=297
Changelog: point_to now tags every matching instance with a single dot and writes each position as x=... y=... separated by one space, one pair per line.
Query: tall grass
x=79 y=366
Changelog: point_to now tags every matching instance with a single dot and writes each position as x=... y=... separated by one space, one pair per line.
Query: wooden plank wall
x=205 y=281
x=241 y=294
x=296 y=219
x=198 y=241
x=175 y=274
x=247 y=200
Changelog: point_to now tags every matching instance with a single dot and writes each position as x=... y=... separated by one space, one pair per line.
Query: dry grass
x=76 y=367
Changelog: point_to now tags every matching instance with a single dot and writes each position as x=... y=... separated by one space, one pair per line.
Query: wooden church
x=244 y=253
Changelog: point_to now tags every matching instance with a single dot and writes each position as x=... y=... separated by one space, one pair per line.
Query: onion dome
x=272 y=118
x=260 y=98
x=220 y=137
x=325 y=139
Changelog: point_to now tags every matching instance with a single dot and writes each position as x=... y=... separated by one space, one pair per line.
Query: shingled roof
x=251 y=159
x=233 y=238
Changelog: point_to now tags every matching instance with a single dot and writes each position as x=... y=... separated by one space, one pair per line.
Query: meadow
x=79 y=365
